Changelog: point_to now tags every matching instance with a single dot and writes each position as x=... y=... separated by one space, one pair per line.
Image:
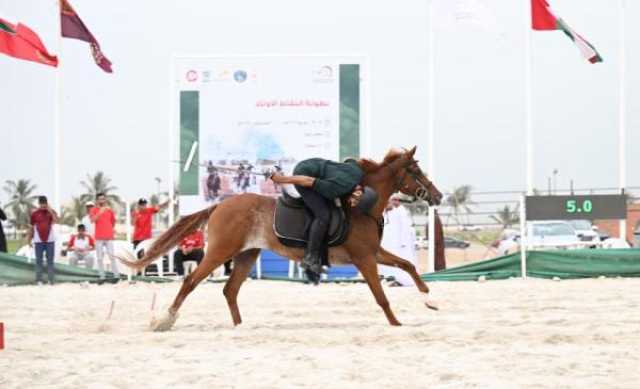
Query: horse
x=242 y=225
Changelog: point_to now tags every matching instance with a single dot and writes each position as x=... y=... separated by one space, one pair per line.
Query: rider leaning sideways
x=319 y=182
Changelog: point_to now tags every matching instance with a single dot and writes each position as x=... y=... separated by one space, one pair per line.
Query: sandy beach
x=506 y=334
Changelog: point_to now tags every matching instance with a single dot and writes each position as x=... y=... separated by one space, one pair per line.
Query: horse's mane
x=371 y=166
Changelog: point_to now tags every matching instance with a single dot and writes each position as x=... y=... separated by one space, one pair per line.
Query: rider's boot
x=312 y=260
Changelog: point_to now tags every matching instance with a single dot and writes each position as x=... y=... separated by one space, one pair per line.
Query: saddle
x=292 y=220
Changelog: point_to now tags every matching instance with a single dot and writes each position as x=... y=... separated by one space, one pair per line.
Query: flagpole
x=529 y=98
x=57 y=131
x=622 y=139
x=431 y=148
x=172 y=135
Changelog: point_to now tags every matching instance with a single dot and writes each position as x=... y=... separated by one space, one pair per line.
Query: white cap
x=89 y=203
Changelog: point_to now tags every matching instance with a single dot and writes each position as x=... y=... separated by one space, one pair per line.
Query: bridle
x=411 y=169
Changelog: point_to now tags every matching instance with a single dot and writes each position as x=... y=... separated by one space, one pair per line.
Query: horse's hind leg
x=214 y=257
x=242 y=264
x=369 y=271
x=386 y=258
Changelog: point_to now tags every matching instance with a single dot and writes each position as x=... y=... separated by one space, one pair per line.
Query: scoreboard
x=589 y=207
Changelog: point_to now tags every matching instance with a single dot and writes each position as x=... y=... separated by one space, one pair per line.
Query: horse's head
x=412 y=181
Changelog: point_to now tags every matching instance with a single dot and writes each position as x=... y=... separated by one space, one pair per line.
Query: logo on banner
x=192 y=76
x=206 y=75
x=323 y=74
x=240 y=76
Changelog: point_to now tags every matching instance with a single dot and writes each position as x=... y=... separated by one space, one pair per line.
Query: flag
x=21 y=42
x=542 y=19
x=73 y=27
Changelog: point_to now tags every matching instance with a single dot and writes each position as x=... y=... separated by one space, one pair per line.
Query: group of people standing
x=95 y=232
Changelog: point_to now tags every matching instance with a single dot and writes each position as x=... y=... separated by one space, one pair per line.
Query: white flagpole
x=622 y=139
x=57 y=130
x=528 y=97
x=431 y=80
x=172 y=137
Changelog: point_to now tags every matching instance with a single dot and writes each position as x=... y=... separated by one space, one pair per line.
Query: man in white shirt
x=399 y=239
x=86 y=220
x=81 y=246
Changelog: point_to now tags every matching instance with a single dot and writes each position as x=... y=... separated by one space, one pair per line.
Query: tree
x=73 y=212
x=21 y=202
x=99 y=183
x=506 y=216
x=460 y=200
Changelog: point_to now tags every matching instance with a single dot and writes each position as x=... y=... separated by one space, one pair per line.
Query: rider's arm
x=304 y=181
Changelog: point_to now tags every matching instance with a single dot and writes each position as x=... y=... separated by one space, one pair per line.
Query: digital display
x=588 y=207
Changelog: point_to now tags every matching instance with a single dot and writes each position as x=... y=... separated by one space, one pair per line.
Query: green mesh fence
x=548 y=264
x=15 y=270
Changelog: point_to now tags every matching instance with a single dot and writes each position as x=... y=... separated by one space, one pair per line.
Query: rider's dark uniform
x=332 y=180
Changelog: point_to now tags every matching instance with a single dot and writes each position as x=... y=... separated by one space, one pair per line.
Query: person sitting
x=80 y=246
x=191 y=248
x=319 y=182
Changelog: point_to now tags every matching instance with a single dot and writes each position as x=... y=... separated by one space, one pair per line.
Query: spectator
x=3 y=239
x=105 y=220
x=80 y=245
x=142 y=220
x=399 y=239
x=86 y=220
x=41 y=232
x=191 y=248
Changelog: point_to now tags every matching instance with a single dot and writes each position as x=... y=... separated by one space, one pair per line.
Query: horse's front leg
x=369 y=270
x=386 y=258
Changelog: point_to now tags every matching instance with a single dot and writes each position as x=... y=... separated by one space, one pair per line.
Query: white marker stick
x=192 y=153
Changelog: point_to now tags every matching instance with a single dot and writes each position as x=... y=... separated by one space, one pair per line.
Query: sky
x=119 y=122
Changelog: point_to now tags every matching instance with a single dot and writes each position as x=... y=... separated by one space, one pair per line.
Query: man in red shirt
x=191 y=248
x=142 y=220
x=105 y=220
x=80 y=245
x=41 y=231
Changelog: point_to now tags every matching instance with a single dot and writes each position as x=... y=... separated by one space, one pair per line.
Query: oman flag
x=20 y=42
x=73 y=27
x=542 y=19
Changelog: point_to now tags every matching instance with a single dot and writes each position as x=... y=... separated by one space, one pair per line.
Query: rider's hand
x=355 y=197
x=275 y=176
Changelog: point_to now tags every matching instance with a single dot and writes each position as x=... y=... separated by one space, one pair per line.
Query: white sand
x=539 y=334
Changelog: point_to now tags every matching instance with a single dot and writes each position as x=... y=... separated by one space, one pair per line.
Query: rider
x=320 y=181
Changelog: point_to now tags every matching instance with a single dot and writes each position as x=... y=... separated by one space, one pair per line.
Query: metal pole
x=431 y=263
x=57 y=130
x=172 y=147
x=622 y=139
x=523 y=237
x=431 y=143
x=528 y=98
x=431 y=86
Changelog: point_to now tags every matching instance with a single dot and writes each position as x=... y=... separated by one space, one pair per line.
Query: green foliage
x=73 y=212
x=507 y=216
x=459 y=200
x=21 y=202
x=99 y=183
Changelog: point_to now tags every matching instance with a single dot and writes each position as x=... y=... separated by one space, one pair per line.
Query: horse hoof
x=163 y=323
x=431 y=304
x=396 y=324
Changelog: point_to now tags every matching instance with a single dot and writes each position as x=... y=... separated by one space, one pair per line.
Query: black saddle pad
x=292 y=220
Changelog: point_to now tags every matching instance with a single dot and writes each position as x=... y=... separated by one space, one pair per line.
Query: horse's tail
x=171 y=237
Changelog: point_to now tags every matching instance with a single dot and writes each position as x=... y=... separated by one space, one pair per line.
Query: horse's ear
x=412 y=152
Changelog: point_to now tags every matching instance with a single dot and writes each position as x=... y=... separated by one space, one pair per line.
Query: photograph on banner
x=242 y=118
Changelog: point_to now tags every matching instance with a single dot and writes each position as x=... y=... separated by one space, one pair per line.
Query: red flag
x=541 y=16
x=542 y=19
x=73 y=27
x=20 y=42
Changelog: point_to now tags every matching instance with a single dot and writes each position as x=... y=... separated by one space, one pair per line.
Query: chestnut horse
x=241 y=226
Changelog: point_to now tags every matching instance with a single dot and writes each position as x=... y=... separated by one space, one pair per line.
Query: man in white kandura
x=398 y=238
